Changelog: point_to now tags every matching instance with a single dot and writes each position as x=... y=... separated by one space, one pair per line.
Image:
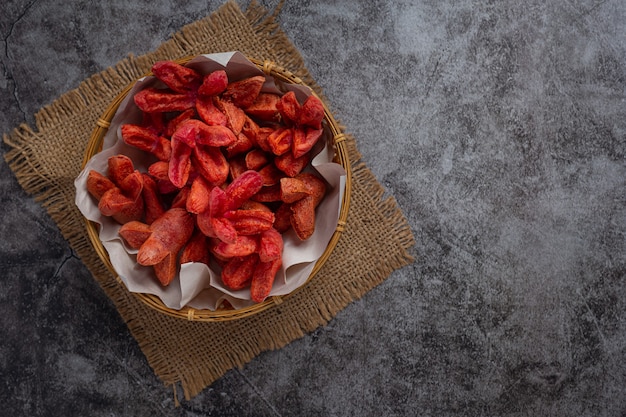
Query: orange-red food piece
x=237 y=273
x=166 y=269
x=196 y=249
x=198 y=198
x=264 y=107
x=135 y=233
x=303 y=210
x=241 y=145
x=282 y=218
x=244 y=92
x=173 y=123
x=98 y=184
x=243 y=246
x=211 y=163
x=304 y=140
x=250 y=222
x=263 y=279
x=119 y=167
x=271 y=174
x=311 y=113
x=256 y=159
x=262 y=138
x=213 y=83
x=154 y=100
x=209 y=113
x=289 y=108
x=181 y=197
x=170 y=233
x=235 y=117
x=293 y=189
x=242 y=188
x=270 y=245
x=122 y=208
x=280 y=140
x=147 y=140
x=268 y=194
x=153 y=202
x=179 y=78
x=292 y=166
x=195 y=131
x=223 y=229
x=179 y=166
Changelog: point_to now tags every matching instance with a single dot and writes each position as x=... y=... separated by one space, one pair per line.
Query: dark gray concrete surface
x=500 y=128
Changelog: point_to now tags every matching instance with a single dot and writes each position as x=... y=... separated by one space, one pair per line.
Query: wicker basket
x=224 y=314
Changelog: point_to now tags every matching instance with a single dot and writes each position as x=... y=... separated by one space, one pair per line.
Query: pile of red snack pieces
x=227 y=178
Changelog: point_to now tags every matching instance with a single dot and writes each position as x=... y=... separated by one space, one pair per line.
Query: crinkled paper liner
x=197 y=285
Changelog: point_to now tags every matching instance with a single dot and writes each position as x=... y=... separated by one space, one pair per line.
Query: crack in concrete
x=259 y=393
x=72 y=255
x=7 y=72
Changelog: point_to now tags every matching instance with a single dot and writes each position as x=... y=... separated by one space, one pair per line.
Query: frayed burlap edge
x=54 y=197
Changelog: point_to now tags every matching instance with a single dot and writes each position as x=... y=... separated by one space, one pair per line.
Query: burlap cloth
x=47 y=159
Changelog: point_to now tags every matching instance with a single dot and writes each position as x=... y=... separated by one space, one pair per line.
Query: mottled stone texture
x=499 y=127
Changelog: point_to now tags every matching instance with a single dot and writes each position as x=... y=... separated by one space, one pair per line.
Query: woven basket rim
x=226 y=314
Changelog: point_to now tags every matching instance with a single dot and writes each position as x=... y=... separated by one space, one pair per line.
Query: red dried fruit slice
x=282 y=218
x=237 y=273
x=250 y=222
x=280 y=140
x=224 y=230
x=270 y=245
x=119 y=167
x=311 y=113
x=209 y=113
x=135 y=233
x=256 y=159
x=243 y=246
x=213 y=83
x=263 y=279
x=218 y=202
x=264 y=107
x=289 y=108
x=166 y=269
x=244 y=92
x=173 y=123
x=211 y=163
x=147 y=140
x=176 y=76
x=235 y=117
x=153 y=202
x=179 y=166
x=98 y=184
x=196 y=249
x=198 y=198
x=303 y=210
x=114 y=203
x=268 y=194
x=181 y=197
x=154 y=100
x=241 y=145
x=293 y=189
x=292 y=166
x=242 y=188
x=195 y=131
x=170 y=233
x=304 y=140
x=271 y=175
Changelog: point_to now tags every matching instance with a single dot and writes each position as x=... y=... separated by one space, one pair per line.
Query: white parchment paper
x=197 y=285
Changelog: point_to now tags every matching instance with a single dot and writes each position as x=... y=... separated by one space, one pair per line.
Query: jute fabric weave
x=47 y=158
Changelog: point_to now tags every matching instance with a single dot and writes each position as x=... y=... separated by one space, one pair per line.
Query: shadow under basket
x=225 y=313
